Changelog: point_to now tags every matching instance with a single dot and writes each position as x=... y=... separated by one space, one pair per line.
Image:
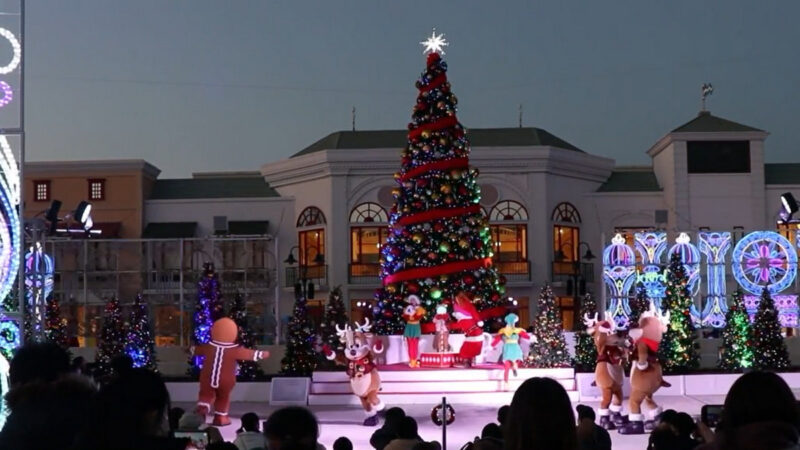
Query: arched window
x=311 y=238
x=368 y=233
x=368 y=213
x=311 y=216
x=565 y=212
x=509 y=228
x=508 y=210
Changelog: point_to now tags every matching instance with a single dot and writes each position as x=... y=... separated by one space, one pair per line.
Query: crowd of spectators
x=53 y=404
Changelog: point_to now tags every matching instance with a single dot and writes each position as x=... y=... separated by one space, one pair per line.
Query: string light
x=16 y=49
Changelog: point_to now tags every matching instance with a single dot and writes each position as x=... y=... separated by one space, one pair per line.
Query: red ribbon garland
x=436 y=82
x=444 y=122
x=442 y=269
x=435 y=214
x=444 y=164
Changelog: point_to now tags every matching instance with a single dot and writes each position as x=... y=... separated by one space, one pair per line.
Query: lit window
x=41 y=190
x=97 y=189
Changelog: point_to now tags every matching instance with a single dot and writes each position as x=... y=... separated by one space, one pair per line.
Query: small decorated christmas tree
x=737 y=338
x=248 y=370
x=678 y=351
x=140 y=345
x=300 y=359
x=769 y=347
x=55 y=329
x=548 y=347
x=209 y=307
x=639 y=305
x=111 y=342
x=335 y=314
x=585 y=348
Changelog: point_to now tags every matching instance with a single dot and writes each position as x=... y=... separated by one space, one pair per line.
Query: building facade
x=552 y=207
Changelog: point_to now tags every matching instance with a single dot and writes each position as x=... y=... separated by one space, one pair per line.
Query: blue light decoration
x=619 y=273
x=4 y=388
x=764 y=258
x=10 y=244
x=39 y=269
x=785 y=304
x=767 y=259
x=715 y=246
x=651 y=246
x=690 y=257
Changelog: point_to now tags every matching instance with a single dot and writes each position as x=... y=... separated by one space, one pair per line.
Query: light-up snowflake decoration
x=764 y=258
x=434 y=44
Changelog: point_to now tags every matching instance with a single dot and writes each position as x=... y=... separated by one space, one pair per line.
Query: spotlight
x=789 y=204
x=83 y=212
x=52 y=215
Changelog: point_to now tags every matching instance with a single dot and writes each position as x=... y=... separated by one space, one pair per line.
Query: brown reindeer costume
x=646 y=375
x=360 y=359
x=608 y=373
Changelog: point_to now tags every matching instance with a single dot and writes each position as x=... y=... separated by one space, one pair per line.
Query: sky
x=201 y=85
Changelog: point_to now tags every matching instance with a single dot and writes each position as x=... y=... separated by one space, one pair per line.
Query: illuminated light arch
x=8 y=94
x=9 y=218
x=690 y=257
x=619 y=273
x=764 y=258
x=16 y=49
x=715 y=246
x=651 y=246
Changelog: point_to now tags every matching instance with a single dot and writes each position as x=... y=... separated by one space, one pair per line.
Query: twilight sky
x=202 y=85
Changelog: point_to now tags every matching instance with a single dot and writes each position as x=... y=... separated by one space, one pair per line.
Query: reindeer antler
x=342 y=331
x=610 y=319
x=363 y=328
x=590 y=323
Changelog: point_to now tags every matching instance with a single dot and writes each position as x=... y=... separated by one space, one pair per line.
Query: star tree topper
x=434 y=43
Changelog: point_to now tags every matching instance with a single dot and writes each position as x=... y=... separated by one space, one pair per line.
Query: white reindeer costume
x=364 y=378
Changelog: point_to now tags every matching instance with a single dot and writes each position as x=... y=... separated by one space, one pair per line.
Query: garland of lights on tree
x=140 y=345
x=737 y=337
x=248 y=370
x=548 y=346
x=335 y=314
x=585 y=348
x=439 y=242
x=300 y=359
x=111 y=342
x=769 y=347
x=55 y=329
x=679 y=349
x=209 y=307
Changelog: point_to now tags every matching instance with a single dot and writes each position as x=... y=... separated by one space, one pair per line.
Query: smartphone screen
x=199 y=439
x=711 y=415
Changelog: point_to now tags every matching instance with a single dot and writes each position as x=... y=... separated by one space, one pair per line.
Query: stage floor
x=339 y=421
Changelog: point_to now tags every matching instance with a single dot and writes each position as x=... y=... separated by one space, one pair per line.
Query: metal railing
x=317 y=274
x=365 y=273
x=564 y=270
x=514 y=270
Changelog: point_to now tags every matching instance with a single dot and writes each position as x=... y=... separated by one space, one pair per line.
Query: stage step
x=403 y=386
x=476 y=398
x=400 y=387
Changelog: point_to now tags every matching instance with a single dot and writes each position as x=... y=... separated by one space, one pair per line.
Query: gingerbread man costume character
x=218 y=375
x=608 y=372
x=646 y=369
x=412 y=314
x=364 y=378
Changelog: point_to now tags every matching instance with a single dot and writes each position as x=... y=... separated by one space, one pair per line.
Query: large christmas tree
x=55 y=328
x=737 y=337
x=300 y=359
x=111 y=342
x=439 y=242
x=768 y=344
x=679 y=350
x=548 y=346
x=248 y=370
x=585 y=348
x=140 y=345
x=209 y=307
x=335 y=314
x=639 y=304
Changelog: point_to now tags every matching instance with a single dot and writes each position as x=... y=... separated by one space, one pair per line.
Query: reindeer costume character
x=364 y=378
x=646 y=375
x=608 y=372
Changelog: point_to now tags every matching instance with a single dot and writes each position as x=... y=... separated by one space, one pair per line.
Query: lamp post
x=576 y=276
x=304 y=287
